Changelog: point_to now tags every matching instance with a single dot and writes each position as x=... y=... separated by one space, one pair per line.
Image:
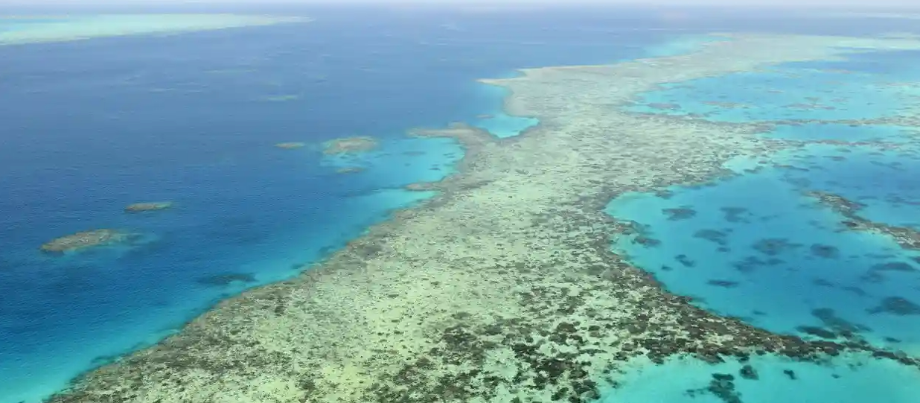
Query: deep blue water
x=91 y=126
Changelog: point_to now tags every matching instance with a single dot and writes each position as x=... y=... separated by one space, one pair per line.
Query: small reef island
x=350 y=170
x=84 y=240
x=148 y=206
x=503 y=288
x=349 y=145
x=290 y=145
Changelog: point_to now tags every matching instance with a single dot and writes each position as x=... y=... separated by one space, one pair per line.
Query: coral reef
x=290 y=146
x=84 y=240
x=349 y=145
x=148 y=206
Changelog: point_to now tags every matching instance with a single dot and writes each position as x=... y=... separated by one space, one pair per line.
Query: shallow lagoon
x=884 y=180
x=757 y=247
x=782 y=93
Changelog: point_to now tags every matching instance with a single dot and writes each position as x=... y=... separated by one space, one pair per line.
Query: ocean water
x=757 y=247
x=92 y=126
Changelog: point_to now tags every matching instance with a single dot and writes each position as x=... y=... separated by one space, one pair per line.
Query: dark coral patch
x=723 y=283
x=684 y=260
x=748 y=372
x=817 y=331
x=734 y=214
x=896 y=306
x=682 y=213
x=825 y=251
x=894 y=266
x=774 y=246
x=836 y=323
x=712 y=235
x=646 y=241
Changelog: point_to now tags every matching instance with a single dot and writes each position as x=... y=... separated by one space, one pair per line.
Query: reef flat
x=42 y=29
x=503 y=288
x=84 y=240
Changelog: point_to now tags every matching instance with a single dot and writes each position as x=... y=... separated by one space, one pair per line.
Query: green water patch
x=23 y=29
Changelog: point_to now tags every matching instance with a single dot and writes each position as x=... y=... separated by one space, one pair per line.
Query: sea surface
x=91 y=126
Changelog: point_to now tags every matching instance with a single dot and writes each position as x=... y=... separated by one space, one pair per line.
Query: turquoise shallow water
x=501 y=124
x=757 y=247
x=787 y=92
x=841 y=132
x=883 y=180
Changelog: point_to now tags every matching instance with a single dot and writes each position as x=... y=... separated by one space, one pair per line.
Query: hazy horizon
x=860 y=4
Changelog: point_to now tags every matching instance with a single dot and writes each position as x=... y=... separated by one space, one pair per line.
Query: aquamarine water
x=787 y=92
x=92 y=126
